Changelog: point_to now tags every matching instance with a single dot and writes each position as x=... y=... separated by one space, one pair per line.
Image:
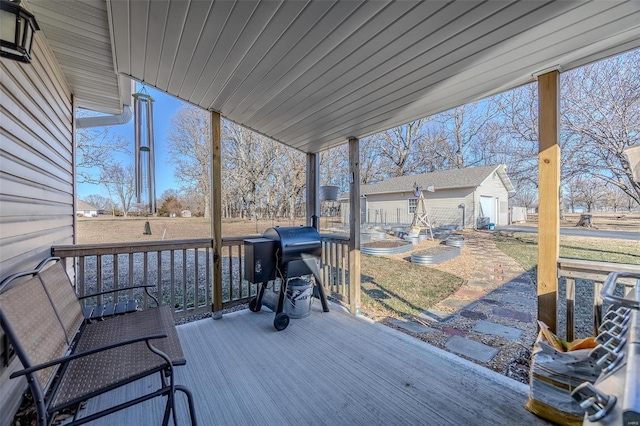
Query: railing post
x=344 y=272
x=145 y=278
x=159 y=271
x=354 y=226
x=216 y=214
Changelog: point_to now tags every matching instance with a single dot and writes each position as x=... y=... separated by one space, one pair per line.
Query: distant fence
x=518 y=214
x=437 y=216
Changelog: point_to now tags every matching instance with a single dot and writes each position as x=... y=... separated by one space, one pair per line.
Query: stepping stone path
x=412 y=326
x=471 y=349
x=487 y=327
x=497 y=306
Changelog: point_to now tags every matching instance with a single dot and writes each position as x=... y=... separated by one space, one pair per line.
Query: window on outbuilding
x=413 y=203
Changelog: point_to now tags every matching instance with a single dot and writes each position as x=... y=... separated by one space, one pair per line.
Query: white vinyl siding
x=442 y=207
x=36 y=176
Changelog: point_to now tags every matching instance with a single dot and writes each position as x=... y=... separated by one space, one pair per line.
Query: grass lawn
x=396 y=288
x=523 y=247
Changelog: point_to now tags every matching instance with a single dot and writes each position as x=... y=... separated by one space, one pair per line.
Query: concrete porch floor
x=327 y=369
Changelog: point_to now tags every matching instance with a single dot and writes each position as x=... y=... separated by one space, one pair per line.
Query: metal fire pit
x=285 y=253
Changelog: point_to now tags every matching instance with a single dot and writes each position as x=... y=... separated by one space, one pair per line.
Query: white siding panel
x=19 y=206
x=442 y=207
x=36 y=175
x=22 y=101
x=33 y=165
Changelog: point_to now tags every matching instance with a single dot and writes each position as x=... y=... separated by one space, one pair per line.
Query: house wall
x=442 y=207
x=36 y=177
x=493 y=187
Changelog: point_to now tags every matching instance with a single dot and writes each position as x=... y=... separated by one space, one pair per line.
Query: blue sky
x=164 y=107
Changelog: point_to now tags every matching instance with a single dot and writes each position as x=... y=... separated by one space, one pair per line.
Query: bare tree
x=99 y=201
x=469 y=133
x=249 y=159
x=571 y=193
x=601 y=112
x=190 y=148
x=517 y=145
x=398 y=147
x=96 y=148
x=289 y=179
x=371 y=170
x=427 y=156
x=526 y=197
x=119 y=181
x=589 y=192
x=334 y=167
x=168 y=193
x=614 y=199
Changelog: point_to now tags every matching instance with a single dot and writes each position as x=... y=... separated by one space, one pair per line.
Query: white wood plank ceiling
x=78 y=33
x=311 y=74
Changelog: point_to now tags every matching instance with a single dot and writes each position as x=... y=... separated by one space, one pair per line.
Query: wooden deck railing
x=335 y=266
x=181 y=271
x=580 y=273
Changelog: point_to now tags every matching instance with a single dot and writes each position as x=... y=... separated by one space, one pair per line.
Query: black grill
x=295 y=243
x=284 y=253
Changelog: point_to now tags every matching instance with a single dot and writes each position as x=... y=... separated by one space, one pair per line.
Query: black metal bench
x=68 y=360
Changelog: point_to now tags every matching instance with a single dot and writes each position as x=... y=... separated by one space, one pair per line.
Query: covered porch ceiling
x=312 y=74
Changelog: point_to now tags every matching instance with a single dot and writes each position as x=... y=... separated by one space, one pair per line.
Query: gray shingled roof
x=84 y=206
x=447 y=179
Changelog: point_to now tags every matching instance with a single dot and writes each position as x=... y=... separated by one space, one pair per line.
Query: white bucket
x=299 y=297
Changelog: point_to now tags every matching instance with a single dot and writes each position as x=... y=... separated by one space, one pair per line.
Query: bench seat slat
x=109 y=310
x=126 y=307
x=98 y=312
x=112 y=368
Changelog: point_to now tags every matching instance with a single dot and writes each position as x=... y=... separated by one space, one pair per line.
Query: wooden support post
x=548 y=201
x=313 y=187
x=354 y=226
x=216 y=214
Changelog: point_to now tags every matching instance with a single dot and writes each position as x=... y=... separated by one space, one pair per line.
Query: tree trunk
x=585 y=220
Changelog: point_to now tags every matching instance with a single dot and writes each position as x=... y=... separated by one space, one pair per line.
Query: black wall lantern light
x=16 y=29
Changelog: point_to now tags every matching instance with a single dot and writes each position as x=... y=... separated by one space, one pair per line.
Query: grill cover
x=294 y=242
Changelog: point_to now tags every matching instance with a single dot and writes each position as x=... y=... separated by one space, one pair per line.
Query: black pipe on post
x=462 y=206
x=315 y=222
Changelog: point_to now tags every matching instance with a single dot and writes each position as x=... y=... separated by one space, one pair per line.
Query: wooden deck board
x=327 y=369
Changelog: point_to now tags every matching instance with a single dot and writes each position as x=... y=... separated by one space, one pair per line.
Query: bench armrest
x=86 y=353
x=145 y=286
